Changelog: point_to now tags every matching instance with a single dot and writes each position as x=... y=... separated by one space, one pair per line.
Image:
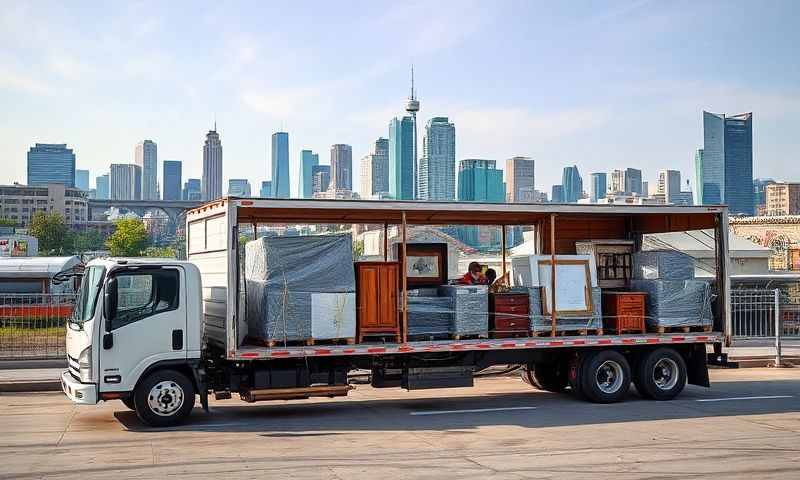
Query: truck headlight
x=85 y=365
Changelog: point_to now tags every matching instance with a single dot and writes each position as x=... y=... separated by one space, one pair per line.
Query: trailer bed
x=249 y=352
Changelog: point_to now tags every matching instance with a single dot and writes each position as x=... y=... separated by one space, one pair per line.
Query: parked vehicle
x=156 y=334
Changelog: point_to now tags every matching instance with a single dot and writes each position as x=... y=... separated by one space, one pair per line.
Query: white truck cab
x=135 y=336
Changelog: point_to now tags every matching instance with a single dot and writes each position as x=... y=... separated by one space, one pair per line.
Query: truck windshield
x=87 y=295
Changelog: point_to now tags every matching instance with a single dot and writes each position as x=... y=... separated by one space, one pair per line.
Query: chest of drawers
x=509 y=315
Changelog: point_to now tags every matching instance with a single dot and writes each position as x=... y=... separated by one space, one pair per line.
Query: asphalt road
x=500 y=429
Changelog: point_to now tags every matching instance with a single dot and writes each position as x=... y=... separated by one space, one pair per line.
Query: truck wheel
x=129 y=402
x=605 y=376
x=661 y=374
x=550 y=377
x=574 y=372
x=164 y=398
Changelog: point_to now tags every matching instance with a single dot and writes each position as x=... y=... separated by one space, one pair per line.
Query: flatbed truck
x=158 y=334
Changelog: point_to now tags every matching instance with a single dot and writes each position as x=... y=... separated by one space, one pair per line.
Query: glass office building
x=280 y=165
x=51 y=163
x=437 y=168
x=401 y=158
x=724 y=167
x=598 y=187
x=480 y=181
x=572 y=183
x=172 y=180
x=308 y=160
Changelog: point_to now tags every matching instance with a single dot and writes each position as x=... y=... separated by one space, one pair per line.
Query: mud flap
x=697 y=366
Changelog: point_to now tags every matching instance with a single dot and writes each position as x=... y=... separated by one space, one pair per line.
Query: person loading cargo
x=474 y=275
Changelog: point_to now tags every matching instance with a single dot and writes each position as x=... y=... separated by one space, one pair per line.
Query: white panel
x=333 y=315
x=197 y=236
x=215 y=234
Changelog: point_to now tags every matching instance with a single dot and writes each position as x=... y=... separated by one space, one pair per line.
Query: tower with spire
x=412 y=107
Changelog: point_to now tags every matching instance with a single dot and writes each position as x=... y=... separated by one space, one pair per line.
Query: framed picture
x=426 y=265
x=573 y=286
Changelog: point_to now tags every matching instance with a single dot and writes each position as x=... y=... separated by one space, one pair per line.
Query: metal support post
x=778 y=328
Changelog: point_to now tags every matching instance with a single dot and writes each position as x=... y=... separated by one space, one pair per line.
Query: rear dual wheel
x=602 y=376
x=661 y=374
x=550 y=377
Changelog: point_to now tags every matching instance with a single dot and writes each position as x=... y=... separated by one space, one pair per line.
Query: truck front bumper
x=83 y=393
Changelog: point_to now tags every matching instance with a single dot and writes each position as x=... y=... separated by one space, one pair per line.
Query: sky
x=600 y=85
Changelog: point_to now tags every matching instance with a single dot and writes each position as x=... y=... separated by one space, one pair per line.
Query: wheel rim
x=665 y=374
x=609 y=376
x=165 y=398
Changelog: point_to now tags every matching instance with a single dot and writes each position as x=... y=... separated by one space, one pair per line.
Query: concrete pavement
x=746 y=426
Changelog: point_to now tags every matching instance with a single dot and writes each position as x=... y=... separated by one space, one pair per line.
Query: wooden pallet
x=568 y=333
x=697 y=328
x=425 y=337
x=473 y=336
x=273 y=343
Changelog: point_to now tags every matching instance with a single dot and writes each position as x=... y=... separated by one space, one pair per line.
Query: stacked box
x=542 y=323
x=676 y=303
x=663 y=265
x=470 y=308
x=299 y=288
x=430 y=315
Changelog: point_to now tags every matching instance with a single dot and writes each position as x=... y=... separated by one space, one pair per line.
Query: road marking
x=765 y=397
x=471 y=410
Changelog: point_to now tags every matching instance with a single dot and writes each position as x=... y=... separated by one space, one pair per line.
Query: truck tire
x=661 y=374
x=550 y=377
x=164 y=398
x=604 y=376
x=128 y=402
x=574 y=371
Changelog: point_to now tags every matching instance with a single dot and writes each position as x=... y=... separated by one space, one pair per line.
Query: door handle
x=177 y=339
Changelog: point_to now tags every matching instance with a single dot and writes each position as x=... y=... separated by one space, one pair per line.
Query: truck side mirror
x=110 y=302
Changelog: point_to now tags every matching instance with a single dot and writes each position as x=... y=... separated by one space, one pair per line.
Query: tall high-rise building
x=308 y=160
x=572 y=184
x=412 y=107
x=280 y=165
x=51 y=163
x=557 y=194
x=266 y=189
x=725 y=168
x=101 y=184
x=341 y=167
x=146 y=156
x=616 y=182
x=212 y=166
x=82 y=179
x=126 y=181
x=760 y=194
x=239 y=187
x=437 y=167
x=598 y=187
x=698 y=176
x=783 y=199
x=480 y=181
x=520 y=177
x=633 y=181
x=374 y=173
x=192 y=189
x=172 y=177
x=669 y=185
x=401 y=159
x=320 y=179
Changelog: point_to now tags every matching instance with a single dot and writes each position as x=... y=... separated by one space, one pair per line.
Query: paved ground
x=425 y=434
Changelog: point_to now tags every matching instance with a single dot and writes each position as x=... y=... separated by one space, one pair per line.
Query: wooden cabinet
x=376 y=300
x=624 y=311
x=508 y=315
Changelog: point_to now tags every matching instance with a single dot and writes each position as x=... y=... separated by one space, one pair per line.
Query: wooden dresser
x=508 y=315
x=623 y=312
x=376 y=300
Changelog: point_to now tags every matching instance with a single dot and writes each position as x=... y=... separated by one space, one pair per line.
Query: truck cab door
x=144 y=323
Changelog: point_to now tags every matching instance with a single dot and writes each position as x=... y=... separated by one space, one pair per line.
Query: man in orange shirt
x=474 y=275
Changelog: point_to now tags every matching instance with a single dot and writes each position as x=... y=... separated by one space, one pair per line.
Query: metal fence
x=760 y=313
x=33 y=326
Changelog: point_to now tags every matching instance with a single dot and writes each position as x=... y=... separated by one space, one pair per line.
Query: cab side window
x=144 y=294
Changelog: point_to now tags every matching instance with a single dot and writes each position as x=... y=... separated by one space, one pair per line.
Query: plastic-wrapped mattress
x=663 y=265
x=676 y=303
x=429 y=315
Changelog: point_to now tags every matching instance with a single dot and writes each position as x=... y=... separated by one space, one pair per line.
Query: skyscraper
x=437 y=167
x=308 y=160
x=557 y=194
x=401 y=158
x=51 y=163
x=760 y=194
x=520 y=180
x=598 y=187
x=280 y=165
x=172 y=177
x=480 y=181
x=126 y=181
x=146 y=156
x=616 y=184
x=572 y=184
x=320 y=179
x=239 y=187
x=212 y=166
x=725 y=168
x=102 y=187
x=192 y=189
x=266 y=189
x=669 y=185
x=412 y=107
x=341 y=176
x=633 y=181
x=374 y=171
x=82 y=179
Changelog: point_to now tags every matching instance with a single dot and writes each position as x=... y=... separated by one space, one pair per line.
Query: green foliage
x=7 y=222
x=88 y=241
x=160 y=252
x=129 y=238
x=358 y=249
x=51 y=232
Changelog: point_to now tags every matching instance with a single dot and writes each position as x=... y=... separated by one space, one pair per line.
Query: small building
x=34 y=275
x=16 y=245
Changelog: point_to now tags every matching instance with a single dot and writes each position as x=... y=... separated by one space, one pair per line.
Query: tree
x=51 y=232
x=87 y=241
x=160 y=252
x=7 y=222
x=129 y=238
